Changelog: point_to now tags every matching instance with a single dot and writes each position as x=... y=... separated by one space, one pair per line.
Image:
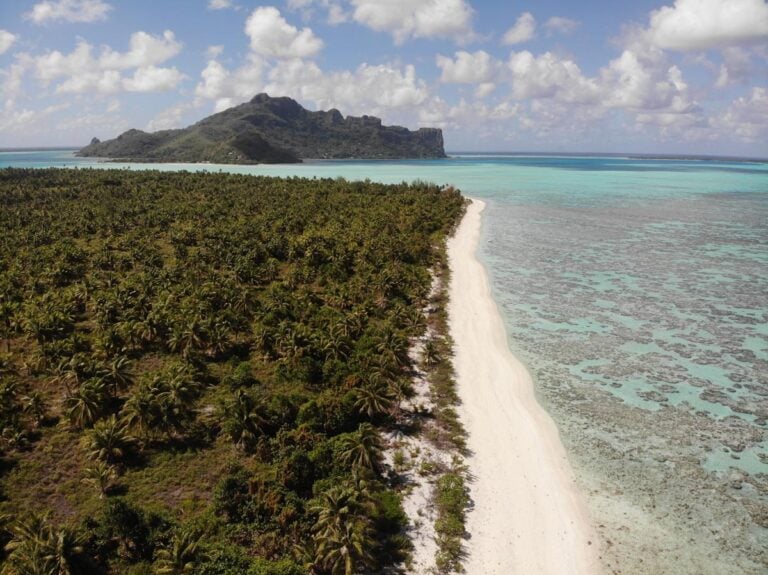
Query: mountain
x=272 y=130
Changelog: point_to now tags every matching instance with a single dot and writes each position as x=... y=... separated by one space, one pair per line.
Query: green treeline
x=197 y=370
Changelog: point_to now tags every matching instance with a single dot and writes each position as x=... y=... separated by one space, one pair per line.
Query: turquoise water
x=636 y=290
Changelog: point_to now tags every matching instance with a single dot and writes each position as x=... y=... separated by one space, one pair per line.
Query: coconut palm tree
x=117 y=373
x=346 y=550
x=66 y=551
x=109 y=440
x=183 y=554
x=373 y=399
x=28 y=549
x=393 y=346
x=343 y=532
x=86 y=405
x=100 y=475
x=36 y=548
x=243 y=421
x=362 y=449
x=140 y=412
x=34 y=405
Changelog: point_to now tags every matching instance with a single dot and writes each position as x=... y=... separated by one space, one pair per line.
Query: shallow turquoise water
x=644 y=279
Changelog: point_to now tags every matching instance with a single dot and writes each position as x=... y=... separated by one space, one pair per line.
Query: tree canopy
x=195 y=369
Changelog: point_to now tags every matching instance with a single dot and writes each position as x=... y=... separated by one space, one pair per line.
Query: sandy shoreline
x=527 y=514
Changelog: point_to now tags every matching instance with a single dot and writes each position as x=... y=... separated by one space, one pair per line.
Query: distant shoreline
x=449 y=154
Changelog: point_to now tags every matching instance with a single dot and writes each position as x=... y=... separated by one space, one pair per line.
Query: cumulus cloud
x=219 y=4
x=81 y=71
x=171 y=118
x=215 y=51
x=704 y=24
x=549 y=76
x=69 y=11
x=145 y=50
x=736 y=66
x=406 y=19
x=747 y=117
x=467 y=68
x=272 y=36
x=523 y=30
x=6 y=41
x=336 y=14
x=368 y=89
x=15 y=120
x=102 y=82
x=644 y=81
x=227 y=88
x=10 y=82
x=153 y=79
x=485 y=89
x=84 y=126
x=560 y=25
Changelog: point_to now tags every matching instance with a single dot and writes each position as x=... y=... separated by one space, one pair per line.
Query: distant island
x=272 y=130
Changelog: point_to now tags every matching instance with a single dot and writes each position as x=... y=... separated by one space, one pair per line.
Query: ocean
x=636 y=292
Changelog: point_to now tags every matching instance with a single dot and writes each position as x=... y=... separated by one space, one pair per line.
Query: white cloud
x=153 y=79
x=10 y=82
x=366 y=90
x=171 y=118
x=213 y=52
x=82 y=72
x=56 y=64
x=103 y=82
x=272 y=36
x=467 y=68
x=643 y=81
x=523 y=30
x=736 y=66
x=747 y=117
x=85 y=126
x=548 y=76
x=69 y=11
x=560 y=25
x=145 y=50
x=704 y=24
x=406 y=19
x=14 y=120
x=485 y=89
x=6 y=41
x=336 y=14
x=227 y=88
x=219 y=4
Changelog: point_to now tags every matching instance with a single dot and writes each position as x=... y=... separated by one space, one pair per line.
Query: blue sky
x=671 y=76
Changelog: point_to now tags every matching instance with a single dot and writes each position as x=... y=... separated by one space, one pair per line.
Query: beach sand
x=527 y=516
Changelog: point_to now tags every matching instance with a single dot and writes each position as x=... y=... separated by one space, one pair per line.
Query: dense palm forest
x=196 y=370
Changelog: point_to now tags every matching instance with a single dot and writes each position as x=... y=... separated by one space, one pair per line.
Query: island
x=270 y=130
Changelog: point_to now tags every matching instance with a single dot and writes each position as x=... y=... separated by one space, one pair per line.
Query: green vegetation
x=195 y=369
x=272 y=130
x=451 y=498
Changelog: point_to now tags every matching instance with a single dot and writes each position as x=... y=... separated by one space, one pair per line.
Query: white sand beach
x=527 y=515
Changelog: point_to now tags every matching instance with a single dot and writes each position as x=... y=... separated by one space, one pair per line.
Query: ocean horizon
x=635 y=289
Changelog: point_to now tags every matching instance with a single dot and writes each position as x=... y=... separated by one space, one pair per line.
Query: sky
x=664 y=76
